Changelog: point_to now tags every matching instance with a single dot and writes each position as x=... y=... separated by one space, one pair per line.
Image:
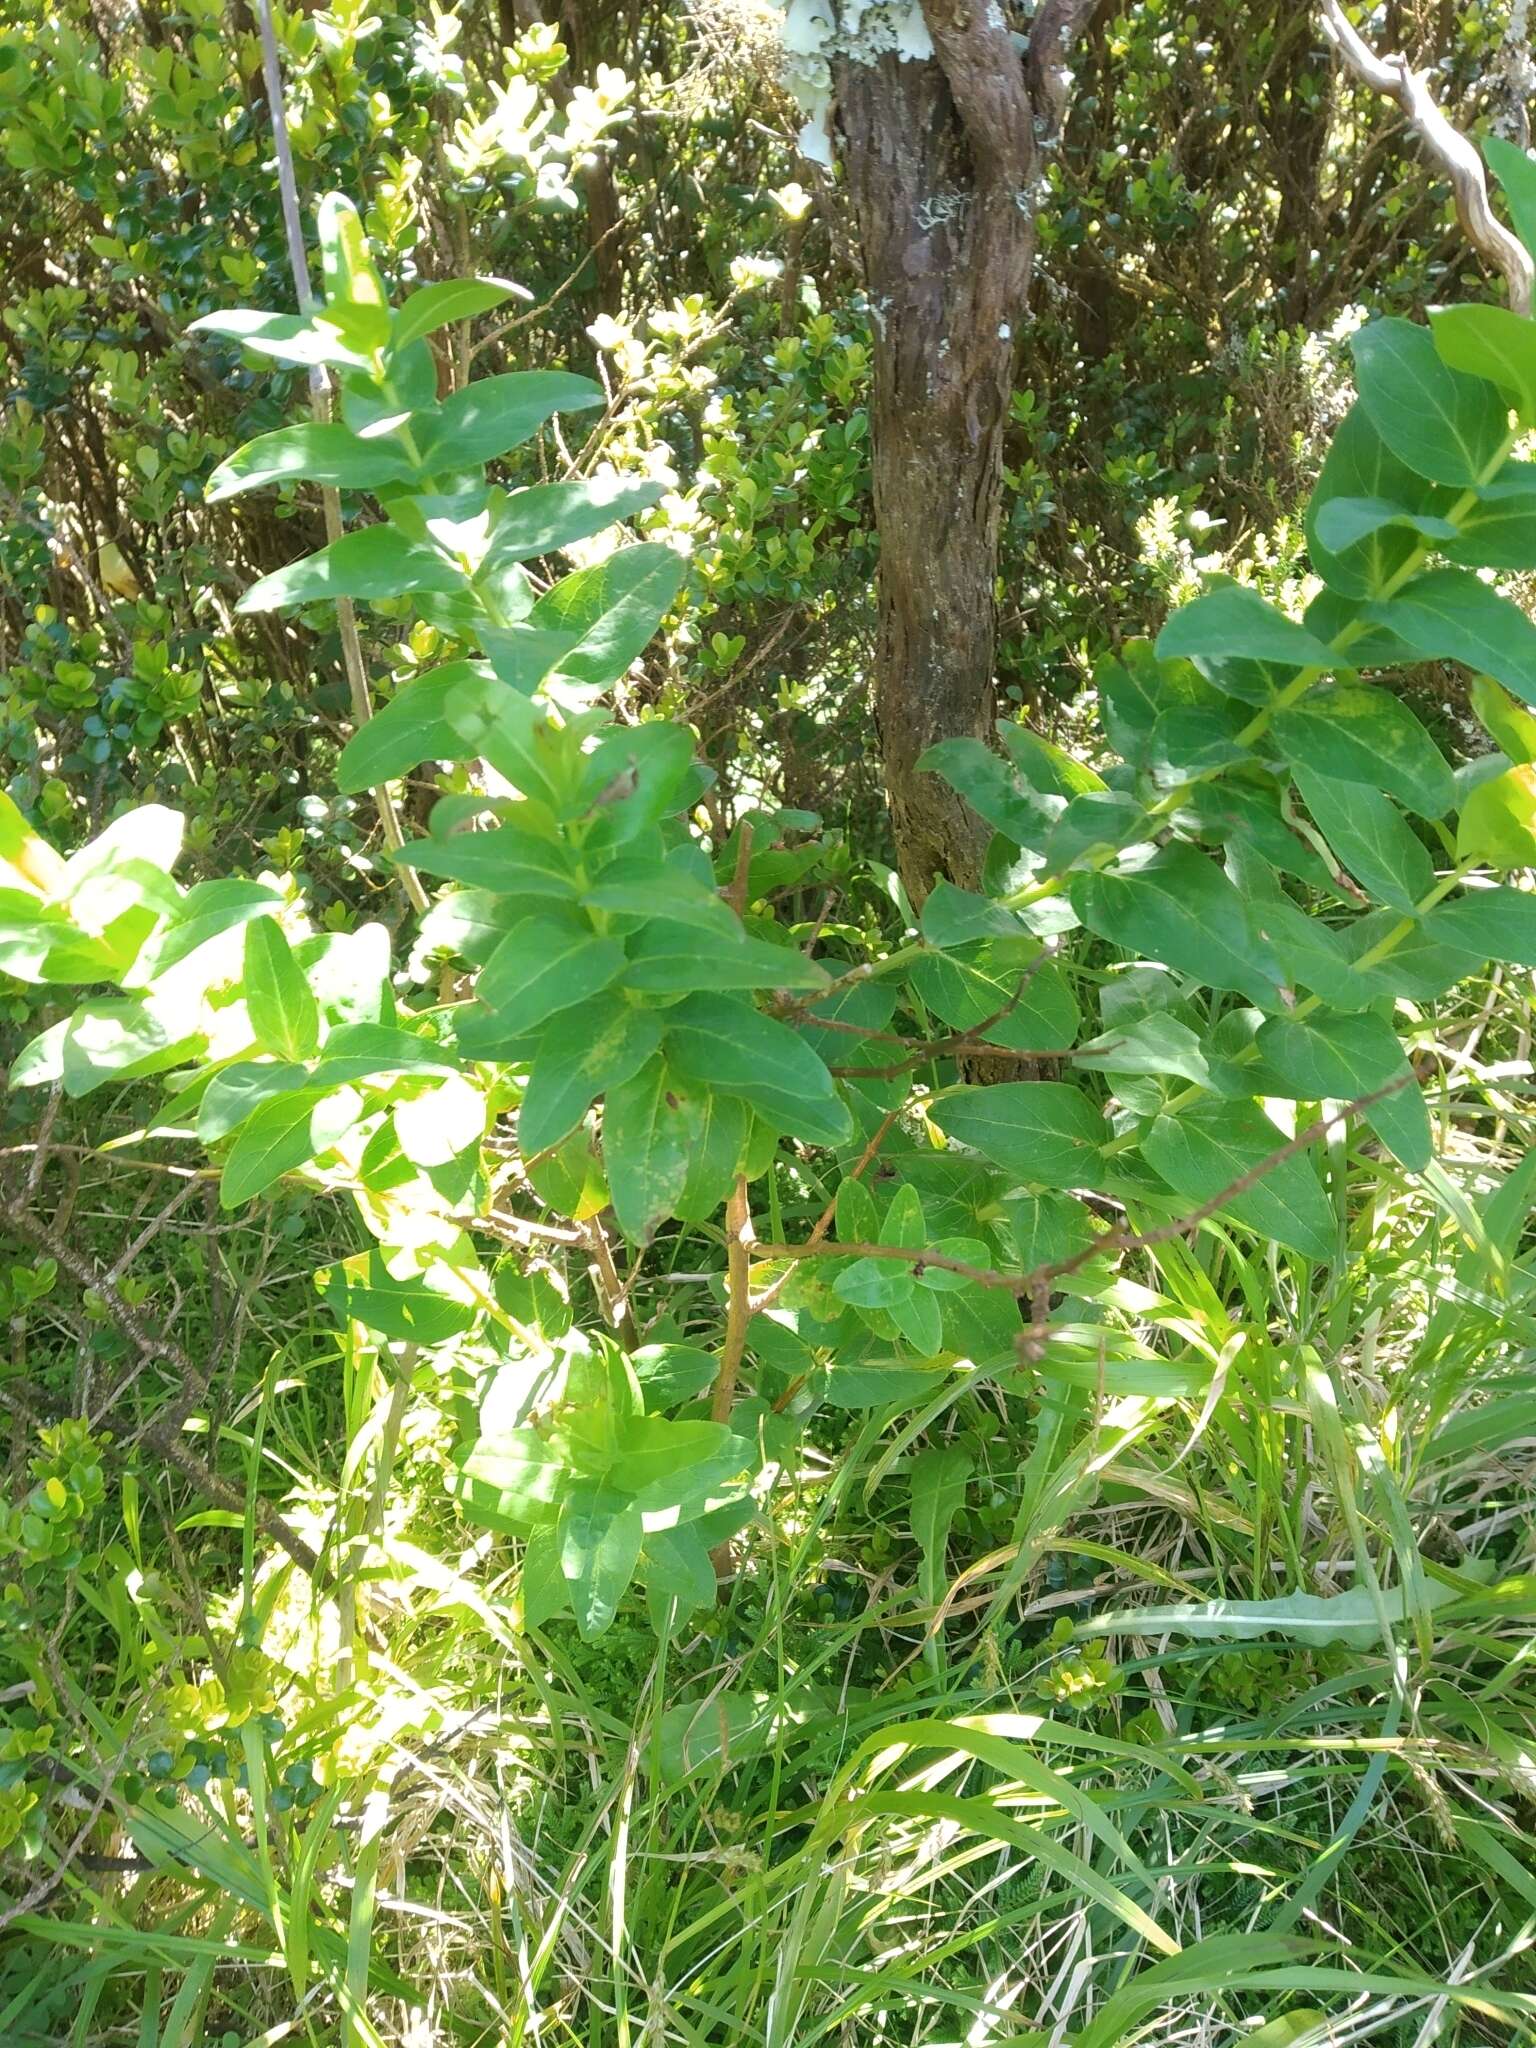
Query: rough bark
x=942 y=161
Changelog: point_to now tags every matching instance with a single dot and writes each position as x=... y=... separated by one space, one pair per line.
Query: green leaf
x=726 y=1044
x=286 y=337
x=1026 y=1004
x=374 y=561
x=677 y=1571
x=494 y=414
x=1498 y=820
x=1342 y=523
x=513 y=1480
x=572 y=1069
x=667 y=957
x=645 y=1149
x=599 y=1547
x=411 y=728
x=1155 y=1044
x=1449 y=428
x=719 y=1128
x=936 y=1480
x=1370 y=838
x=1452 y=615
x=957 y=917
x=993 y=790
x=1135 y=689
x=432 y=306
x=362 y=1051
x=1046 y=1132
x=1512 y=728
x=285 y=1017
x=1181 y=909
x=283 y=1135
x=544 y=517
x=1310 y=1618
x=670 y=1374
x=1208 y=1147
x=120 y=1039
x=1498 y=531
x=1047 y=768
x=1362 y=556
x=542 y=1587
x=354 y=291
x=514 y=735
x=207 y=910
x=1341 y=1058
x=1234 y=620
x=1488 y=924
x=1517 y=175
x=1491 y=342
x=1368 y=735
x=545 y=965
x=507 y=859
x=237 y=1091
x=312 y=452
x=614 y=608
x=920 y=1320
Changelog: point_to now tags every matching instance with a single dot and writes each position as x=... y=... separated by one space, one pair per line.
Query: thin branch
x=320 y=398
x=1456 y=155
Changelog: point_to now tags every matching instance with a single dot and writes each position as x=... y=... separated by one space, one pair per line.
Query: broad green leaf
x=544 y=517
x=515 y=1475
x=317 y=452
x=283 y=1135
x=958 y=917
x=286 y=337
x=1047 y=1228
x=676 y=1567
x=1491 y=342
x=122 y=1039
x=507 y=860
x=542 y=1588
x=1135 y=689
x=1449 y=428
x=655 y=1456
x=237 y=1091
x=645 y=1149
x=1234 y=620
x=994 y=790
x=1511 y=727
x=493 y=414
x=1370 y=838
x=373 y=561
x=1025 y=1004
x=443 y=1125
x=1045 y=1132
x=354 y=291
x=936 y=1479
x=573 y=1068
x=670 y=1374
x=279 y=1001
x=207 y=910
x=1341 y=1058
x=1047 y=768
x=1209 y=1147
x=514 y=735
x=411 y=728
x=545 y=965
x=1342 y=523
x=719 y=1131
x=1368 y=735
x=920 y=1320
x=614 y=608
x=1488 y=924
x=1181 y=909
x=667 y=957
x=1498 y=820
x=1452 y=615
x=1516 y=174
x=1498 y=531
x=725 y=1043
x=432 y=306
x=1155 y=1044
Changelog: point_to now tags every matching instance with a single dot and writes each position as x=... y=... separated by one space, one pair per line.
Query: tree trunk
x=942 y=159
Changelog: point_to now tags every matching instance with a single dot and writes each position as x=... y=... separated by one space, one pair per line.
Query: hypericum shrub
x=1243 y=913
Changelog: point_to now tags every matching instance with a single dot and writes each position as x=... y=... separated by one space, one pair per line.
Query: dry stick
x=320 y=398
x=1457 y=156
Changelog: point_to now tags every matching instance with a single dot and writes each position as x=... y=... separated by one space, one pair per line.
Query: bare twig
x=320 y=398
x=1456 y=155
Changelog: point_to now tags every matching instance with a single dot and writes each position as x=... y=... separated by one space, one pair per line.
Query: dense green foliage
x=672 y=1449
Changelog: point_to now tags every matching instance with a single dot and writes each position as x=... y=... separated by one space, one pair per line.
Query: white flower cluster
x=816 y=31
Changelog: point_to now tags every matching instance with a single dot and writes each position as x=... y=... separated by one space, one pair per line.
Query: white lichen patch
x=815 y=32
